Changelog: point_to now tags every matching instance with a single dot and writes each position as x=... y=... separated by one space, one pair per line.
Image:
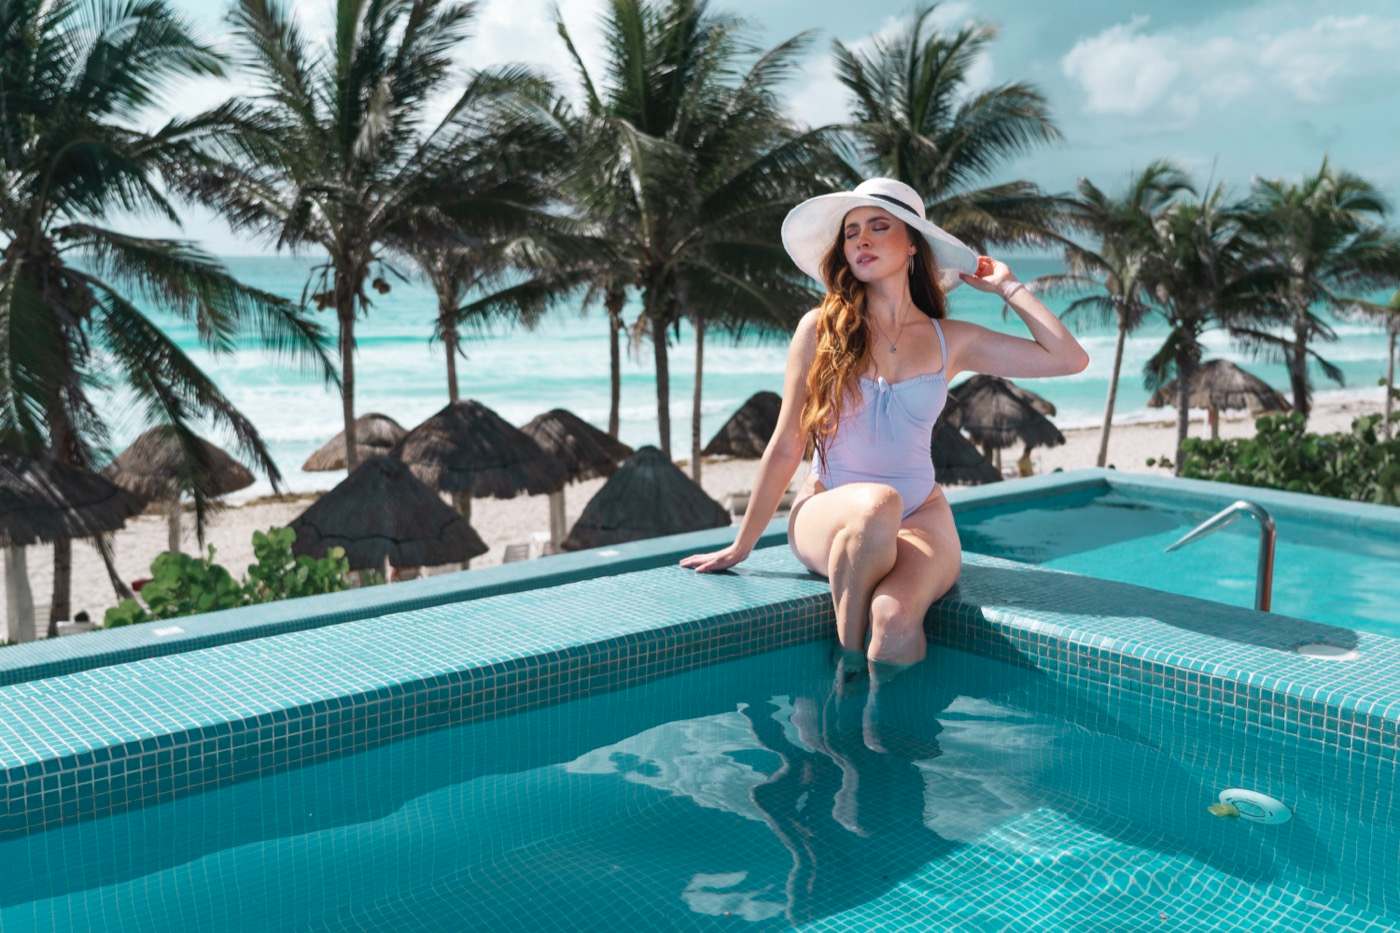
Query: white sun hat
x=810 y=228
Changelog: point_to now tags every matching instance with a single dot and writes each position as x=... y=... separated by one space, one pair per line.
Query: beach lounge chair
x=516 y=552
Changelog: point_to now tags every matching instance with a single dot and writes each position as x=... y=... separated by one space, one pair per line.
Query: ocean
x=564 y=363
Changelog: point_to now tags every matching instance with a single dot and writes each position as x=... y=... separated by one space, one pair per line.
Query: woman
x=867 y=377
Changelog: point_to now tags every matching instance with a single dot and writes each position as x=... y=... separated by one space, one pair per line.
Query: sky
x=1229 y=90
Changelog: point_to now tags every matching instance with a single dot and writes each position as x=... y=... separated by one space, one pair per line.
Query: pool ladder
x=1268 y=536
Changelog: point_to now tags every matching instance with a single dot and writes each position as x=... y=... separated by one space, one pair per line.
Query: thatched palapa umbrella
x=747 y=432
x=41 y=500
x=375 y=436
x=957 y=460
x=468 y=450
x=382 y=512
x=647 y=497
x=581 y=449
x=1218 y=384
x=997 y=413
x=157 y=468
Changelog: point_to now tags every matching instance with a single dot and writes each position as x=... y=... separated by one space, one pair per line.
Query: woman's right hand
x=715 y=560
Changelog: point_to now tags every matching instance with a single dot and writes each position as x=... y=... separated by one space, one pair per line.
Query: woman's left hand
x=997 y=278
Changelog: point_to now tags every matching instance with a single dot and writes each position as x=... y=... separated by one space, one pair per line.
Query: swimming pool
x=972 y=793
x=562 y=738
x=1337 y=563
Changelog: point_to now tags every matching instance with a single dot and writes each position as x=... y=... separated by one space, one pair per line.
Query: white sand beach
x=505 y=521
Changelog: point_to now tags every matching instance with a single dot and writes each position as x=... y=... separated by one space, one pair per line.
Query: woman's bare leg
x=928 y=562
x=848 y=535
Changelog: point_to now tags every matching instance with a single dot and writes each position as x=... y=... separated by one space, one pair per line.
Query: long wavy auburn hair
x=843 y=335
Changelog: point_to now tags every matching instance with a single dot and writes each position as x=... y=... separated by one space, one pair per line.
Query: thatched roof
x=1221 y=384
x=996 y=412
x=155 y=466
x=581 y=449
x=957 y=460
x=647 y=497
x=381 y=510
x=467 y=447
x=746 y=433
x=375 y=436
x=41 y=500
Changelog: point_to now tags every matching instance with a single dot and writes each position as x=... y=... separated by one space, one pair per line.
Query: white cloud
x=523 y=31
x=1128 y=69
x=818 y=97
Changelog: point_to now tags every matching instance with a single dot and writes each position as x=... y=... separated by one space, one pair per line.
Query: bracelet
x=1006 y=296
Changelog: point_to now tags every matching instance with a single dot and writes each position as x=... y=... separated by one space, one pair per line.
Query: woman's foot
x=886 y=704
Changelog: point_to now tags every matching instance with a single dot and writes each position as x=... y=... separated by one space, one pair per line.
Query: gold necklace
x=899 y=333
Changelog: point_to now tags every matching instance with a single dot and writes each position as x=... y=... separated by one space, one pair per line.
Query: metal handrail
x=1268 y=536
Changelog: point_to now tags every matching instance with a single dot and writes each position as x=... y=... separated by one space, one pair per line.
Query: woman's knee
x=876 y=508
x=871 y=527
x=893 y=619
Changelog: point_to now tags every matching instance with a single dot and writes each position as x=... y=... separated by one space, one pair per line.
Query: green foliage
x=182 y=585
x=1359 y=465
x=280 y=574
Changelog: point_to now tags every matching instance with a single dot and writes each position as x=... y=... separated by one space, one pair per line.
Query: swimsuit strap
x=942 y=347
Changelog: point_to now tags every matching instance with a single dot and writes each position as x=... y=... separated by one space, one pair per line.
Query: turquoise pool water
x=1346 y=577
x=966 y=794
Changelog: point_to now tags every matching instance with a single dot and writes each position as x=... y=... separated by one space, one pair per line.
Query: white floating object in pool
x=165 y=630
x=1256 y=807
x=1325 y=652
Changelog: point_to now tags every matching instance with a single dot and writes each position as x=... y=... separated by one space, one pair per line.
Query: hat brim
x=810 y=229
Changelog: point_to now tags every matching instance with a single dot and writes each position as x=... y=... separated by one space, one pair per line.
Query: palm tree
x=336 y=153
x=1123 y=228
x=1201 y=271
x=1320 y=236
x=688 y=164
x=1387 y=314
x=578 y=261
x=75 y=78
x=915 y=120
x=1392 y=330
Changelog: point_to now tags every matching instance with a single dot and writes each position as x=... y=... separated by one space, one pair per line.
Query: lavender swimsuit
x=885 y=439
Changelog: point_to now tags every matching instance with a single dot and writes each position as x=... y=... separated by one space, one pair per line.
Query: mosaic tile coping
x=113 y=737
x=53 y=657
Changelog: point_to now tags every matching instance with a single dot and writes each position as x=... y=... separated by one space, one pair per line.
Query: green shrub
x=182 y=585
x=280 y=574
x=1359 y=465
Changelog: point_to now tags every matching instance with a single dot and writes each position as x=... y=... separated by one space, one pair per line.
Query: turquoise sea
x=564 y=362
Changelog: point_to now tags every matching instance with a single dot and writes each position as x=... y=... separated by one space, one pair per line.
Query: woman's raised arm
x=1053 y=352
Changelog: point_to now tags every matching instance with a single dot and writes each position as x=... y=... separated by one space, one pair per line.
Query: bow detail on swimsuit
x=882 y=402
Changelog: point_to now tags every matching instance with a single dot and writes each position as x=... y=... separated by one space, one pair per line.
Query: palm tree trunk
x=1112 y=393
x=462 y=502
x=1183 y=412
x=1390 y=380
x=172 y=530
x=19 y=600
x=345 y=313
x=103 y=543
x=61 y=596
x=1213 y=414
x=60 y=606
x=450 y=343
x=663 y=384
x=557 y=522
x=1298 y=372
x=614 y=302
x=695 y=401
